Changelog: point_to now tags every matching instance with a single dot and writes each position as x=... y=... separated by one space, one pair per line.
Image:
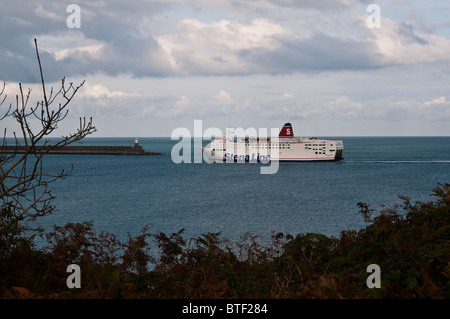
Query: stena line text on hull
x=253 y=158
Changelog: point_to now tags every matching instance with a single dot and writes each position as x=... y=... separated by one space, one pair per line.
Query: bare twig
x=24 y=185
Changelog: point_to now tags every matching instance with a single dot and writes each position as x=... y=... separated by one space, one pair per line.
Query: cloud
x=438 y=109
x=117 y=39
x=399 y=44
x=168 y=61
x=109 y=40
x=437 y=101
x=261 y=46
x=316 y=53
x=223 y=97
x=268 y=6
x=45 y=13
x=214 y=48
x=99 y=101
x=99 y=91
x=344 y=108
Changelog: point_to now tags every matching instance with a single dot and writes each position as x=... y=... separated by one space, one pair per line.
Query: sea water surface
x=122 y=194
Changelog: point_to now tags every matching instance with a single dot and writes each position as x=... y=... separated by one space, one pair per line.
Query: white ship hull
x=282 y=149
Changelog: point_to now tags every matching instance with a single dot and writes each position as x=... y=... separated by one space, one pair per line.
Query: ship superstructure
x=284 y=148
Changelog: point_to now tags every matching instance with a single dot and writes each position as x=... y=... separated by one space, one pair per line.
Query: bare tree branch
x=24 y=185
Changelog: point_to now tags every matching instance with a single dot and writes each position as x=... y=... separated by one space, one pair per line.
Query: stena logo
x=288 y=131
x=247 y=158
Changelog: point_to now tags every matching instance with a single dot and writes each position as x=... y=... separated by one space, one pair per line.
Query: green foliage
x=410 y=243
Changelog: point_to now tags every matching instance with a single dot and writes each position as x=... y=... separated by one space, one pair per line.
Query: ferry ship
x=284 y=148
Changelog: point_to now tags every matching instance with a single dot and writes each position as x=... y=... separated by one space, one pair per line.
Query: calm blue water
x=121 y=194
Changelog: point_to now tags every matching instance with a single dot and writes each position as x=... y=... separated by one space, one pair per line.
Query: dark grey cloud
x=407 y=32
x=117 y=37
x=317 y=53
x=113 y=23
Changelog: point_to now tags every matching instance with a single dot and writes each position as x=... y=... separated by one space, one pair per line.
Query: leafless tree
x=24 y=183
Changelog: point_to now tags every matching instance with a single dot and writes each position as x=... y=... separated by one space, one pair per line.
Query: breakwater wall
x=93 y=150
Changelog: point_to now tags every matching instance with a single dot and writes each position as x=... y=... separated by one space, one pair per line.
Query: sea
x=123 y=194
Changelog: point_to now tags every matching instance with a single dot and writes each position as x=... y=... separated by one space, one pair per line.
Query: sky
x=153 y=66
